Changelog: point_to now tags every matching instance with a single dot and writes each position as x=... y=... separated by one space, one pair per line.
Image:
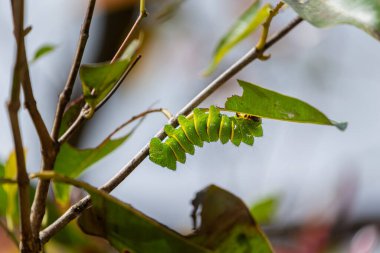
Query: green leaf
x=3 y=194
x=264 y=103
x=98 y=80
x=265 y=210
x=101 y=78
x=43 y=51
x=227 y=225
x=72 y=162
x=128 y=230
x=247 y=23
x=11 y=207
x=364 y=14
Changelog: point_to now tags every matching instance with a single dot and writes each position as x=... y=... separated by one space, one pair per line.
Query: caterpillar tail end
x=161 y=154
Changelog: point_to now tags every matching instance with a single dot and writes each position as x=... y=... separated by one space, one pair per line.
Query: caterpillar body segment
x=225 y=129
x=161 y=154
x=213 y=124
x=203 y=126
x=179 y=135
x=188 y=126
x=200 y=122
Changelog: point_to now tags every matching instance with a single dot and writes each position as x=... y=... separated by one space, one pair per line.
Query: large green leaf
x=364 y=14
x=128 y=230
x=227 y=226
x=247 y=23
x=264 y=210
x=72 y=161
x=264 y=103
x=43 y=51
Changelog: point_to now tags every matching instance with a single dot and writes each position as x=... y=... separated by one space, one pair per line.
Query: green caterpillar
x=201 y=127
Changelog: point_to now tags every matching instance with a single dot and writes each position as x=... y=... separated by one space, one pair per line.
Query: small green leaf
x=227 y=225
x=264 y=210
x=264 y=103
x=247 y=23
x=3 y=194
x=11 y=208
x=364 y=14
x=72 y=162
x=43 y=51
x=98 y=80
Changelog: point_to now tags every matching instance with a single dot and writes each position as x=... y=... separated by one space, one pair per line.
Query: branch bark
x=27 y=241
x=81 y=205
x=49 y=157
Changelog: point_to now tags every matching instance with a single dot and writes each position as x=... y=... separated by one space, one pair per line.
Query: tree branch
x=77 y=208
x=30 y=103
x=27 y=241
x=64 y=97
x=49 y=157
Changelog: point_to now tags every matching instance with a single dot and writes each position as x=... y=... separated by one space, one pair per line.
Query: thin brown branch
x=10 y=234
x=31 y=105
x=64 y=97
x=39 y=203
x=27 y=242
x=7 y=181
x=124 y=45
x=77 y=208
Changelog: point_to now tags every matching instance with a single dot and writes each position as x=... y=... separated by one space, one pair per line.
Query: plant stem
x=27 y=241
x=81 y=205
x=49 y=157
x=124 y=45
x=64 y=97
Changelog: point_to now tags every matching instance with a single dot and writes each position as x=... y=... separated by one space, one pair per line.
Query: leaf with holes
x=264 y=103
x=226 y=226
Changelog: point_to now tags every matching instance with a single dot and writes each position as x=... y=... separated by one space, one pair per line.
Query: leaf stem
x=81 y=205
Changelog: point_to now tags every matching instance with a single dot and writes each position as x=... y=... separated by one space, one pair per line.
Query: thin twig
x=39 y=203
x=134 y=118
x=7 y=181
x=31 y=105
x=77 y=208
x=10 y=234
x=81 y=117
x=64 y=97
x=27 y=241
x=124 y=45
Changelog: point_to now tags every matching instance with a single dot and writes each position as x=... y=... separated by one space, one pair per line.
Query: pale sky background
x=334 y=69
